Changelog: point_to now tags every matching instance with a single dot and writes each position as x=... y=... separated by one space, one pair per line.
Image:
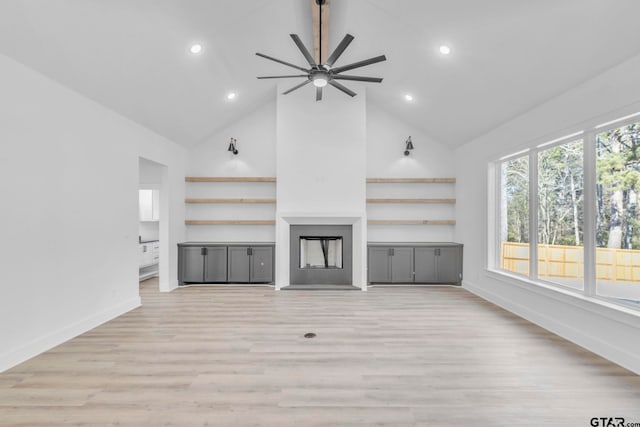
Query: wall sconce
x=408 y=146
x=233 y=146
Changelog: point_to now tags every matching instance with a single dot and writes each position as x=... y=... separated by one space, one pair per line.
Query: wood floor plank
x=428 y=356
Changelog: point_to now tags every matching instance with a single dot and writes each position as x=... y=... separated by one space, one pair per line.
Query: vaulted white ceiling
x=132 y=55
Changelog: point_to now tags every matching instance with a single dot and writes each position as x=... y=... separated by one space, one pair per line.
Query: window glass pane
x=618 y=222
x=560 y=215
x=514 y=215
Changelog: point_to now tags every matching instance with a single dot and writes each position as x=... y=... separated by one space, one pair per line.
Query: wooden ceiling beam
x=324 y=39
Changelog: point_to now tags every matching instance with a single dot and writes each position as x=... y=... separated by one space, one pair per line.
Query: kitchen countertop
x=148 y=241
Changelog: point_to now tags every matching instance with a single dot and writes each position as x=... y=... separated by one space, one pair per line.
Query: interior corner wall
x=386 y=136
x=605 y=331
x=256 y=140
x=69 y=183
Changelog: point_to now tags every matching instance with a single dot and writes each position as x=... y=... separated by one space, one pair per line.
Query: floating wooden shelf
x=229 y=179
x=411 y=222
x=450 y=201
x=412 y=180
x=203 y=201
x=230 y=222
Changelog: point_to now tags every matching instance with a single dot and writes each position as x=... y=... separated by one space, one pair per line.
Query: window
x=514 y=218
x=560 y=212
x=541 y=200
x=617 y=232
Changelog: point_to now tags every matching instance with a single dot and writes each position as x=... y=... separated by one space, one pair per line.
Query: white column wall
x=321 y=169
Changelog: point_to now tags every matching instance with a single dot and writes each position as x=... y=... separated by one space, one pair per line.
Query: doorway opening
x=153 y=230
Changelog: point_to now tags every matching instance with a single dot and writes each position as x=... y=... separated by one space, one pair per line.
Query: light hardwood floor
x=231 y=356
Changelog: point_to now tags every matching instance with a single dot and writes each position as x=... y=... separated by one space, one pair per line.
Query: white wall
x=150 y=174
x=256 y=137
x=386 y=137
x=67 y=164
x=596 y=326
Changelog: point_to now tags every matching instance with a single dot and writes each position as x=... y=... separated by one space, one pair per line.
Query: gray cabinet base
x=225 y=263
x=414 y=263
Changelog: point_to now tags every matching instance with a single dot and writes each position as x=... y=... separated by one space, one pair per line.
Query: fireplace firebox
x=320 y=254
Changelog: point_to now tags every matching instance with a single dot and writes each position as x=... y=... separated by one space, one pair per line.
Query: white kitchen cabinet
x=149 y=257
x=149 y=206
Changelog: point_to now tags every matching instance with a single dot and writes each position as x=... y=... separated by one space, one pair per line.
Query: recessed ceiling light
x=195 y=48
x=231 y=96
x=408 y=97
x=445 y=50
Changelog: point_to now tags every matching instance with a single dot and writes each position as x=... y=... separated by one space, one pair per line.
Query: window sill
x=596 y=305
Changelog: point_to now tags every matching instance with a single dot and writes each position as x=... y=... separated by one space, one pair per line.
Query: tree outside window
x=618 y=216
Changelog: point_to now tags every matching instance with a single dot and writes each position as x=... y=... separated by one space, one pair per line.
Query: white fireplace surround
x=358 y=222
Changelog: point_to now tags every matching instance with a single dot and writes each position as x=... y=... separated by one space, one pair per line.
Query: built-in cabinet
x=390 y=264
x=415 y=263
x=225 y=263
x=202 y=264
x=250 y=264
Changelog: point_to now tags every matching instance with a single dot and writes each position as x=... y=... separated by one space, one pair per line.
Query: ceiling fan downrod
x=323 y=74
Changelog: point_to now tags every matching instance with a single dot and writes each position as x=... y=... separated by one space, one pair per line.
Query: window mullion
x=533 y=214
x=590 y=213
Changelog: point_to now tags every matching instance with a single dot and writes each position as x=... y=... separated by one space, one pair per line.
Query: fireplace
x=320 y=254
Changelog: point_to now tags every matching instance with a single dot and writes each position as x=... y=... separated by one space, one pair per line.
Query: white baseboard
x=16 y=356
x=604 y=346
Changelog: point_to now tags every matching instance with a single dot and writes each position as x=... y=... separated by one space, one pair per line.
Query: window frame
x=588 y=136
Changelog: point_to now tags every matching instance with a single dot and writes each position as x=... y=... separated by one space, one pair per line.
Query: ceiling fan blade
x=318 y=94
x=359 y=64
x=281 y=62
x=282 y=77
x=303 y=49
x=358 y=78
x=342 y=88
x=341 y=47
x=297 y=87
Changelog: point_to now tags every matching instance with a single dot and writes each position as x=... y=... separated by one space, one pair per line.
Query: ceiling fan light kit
x=322 y=73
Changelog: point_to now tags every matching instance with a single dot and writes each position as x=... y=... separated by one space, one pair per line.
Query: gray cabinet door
x=379 y=265
x=402 y=265
x=238 y=265
x=449 y=265
x=215 y=264
x=191 y=265
x=261 y=265
x=425 y=259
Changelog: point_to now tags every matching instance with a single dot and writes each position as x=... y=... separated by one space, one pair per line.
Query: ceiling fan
x=321 y=74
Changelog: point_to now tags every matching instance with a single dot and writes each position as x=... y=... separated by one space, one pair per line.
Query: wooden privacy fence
x=614 y=265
